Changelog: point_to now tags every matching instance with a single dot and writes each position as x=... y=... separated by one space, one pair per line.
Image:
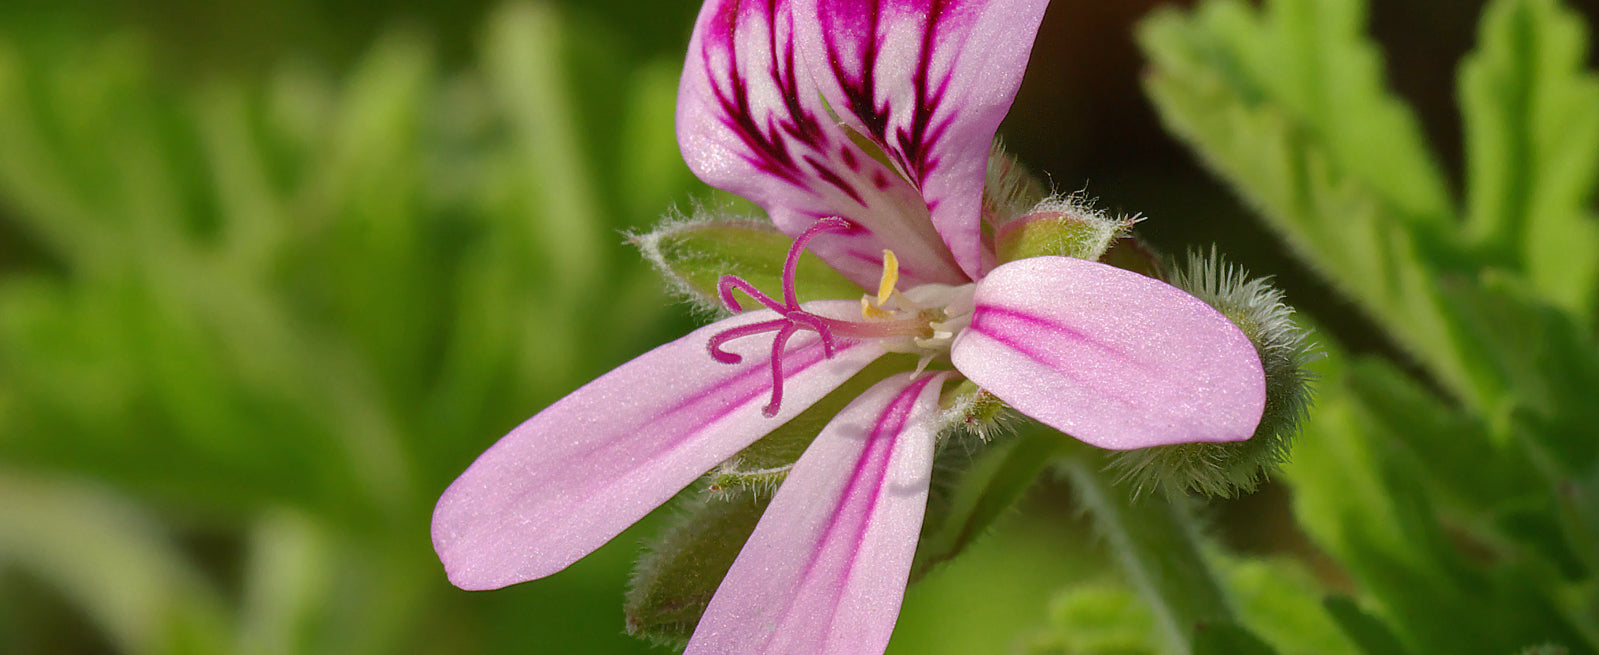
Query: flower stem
x=1157 y=544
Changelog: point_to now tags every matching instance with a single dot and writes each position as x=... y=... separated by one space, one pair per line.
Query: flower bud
x=1060 y=226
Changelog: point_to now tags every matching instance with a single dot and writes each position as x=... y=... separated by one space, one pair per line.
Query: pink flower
x=864 y=129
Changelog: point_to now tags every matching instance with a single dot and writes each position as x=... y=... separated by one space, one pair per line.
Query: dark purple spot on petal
x=848 y=157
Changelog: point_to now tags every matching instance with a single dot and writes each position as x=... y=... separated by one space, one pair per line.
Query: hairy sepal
x=683 y=565
x=693 y=254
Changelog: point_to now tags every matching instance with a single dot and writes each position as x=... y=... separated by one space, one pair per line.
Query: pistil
x=794 y=318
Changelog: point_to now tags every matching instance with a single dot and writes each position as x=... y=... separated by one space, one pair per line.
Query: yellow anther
x=871 y=311
x=885 y=288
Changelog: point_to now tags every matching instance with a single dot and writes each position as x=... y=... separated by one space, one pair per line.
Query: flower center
x=923 y=321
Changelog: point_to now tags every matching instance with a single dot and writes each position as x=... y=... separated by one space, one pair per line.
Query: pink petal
x=750 y=121
x=1110 y=357
x=928 y=81
x=826 y=568
x=575 y=475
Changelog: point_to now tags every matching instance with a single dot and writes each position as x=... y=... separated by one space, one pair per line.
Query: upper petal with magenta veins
x=751 y=121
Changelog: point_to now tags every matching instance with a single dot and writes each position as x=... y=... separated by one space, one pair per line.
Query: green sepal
x=694 y=254
x=980 y=413
x=974 y=484
x=682 y=566
x=1064 y=228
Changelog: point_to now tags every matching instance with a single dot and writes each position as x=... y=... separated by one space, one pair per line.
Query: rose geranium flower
x=864 y=129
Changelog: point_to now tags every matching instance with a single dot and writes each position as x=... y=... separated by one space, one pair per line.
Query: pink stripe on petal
x=578 y=473
x=928 y=81
x=826 y=568
x=1110 y=357
x=750 y=121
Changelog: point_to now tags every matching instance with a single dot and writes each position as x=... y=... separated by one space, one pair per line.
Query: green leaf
x=653 y=174
x=1531 y=116
x=288 y=585
x=1280 y=601
x=1578 y=513
x=1552 y=362
x=1287 y=103
x=1310 y=64
x=523 y=63
x=1453 y=502
x=1097 y=619
x=113 y=560
x=1357 y=493
x=1510 y=500
x=1228 y=639
x=1450 y=444
x=1373 y=636
x=290 y=307
x=695 y=254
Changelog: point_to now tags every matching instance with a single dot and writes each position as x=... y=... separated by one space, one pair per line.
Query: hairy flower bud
x=1066 y=227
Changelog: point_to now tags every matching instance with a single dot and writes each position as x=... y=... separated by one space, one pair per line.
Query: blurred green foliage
x=272 y=318
x=1453 y=493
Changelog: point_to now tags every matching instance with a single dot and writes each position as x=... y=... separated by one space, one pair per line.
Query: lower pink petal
x=569 y=479
x=1111 y=357
x=826 y=568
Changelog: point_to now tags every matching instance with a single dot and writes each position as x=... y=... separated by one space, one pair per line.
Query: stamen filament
x=904 y=327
